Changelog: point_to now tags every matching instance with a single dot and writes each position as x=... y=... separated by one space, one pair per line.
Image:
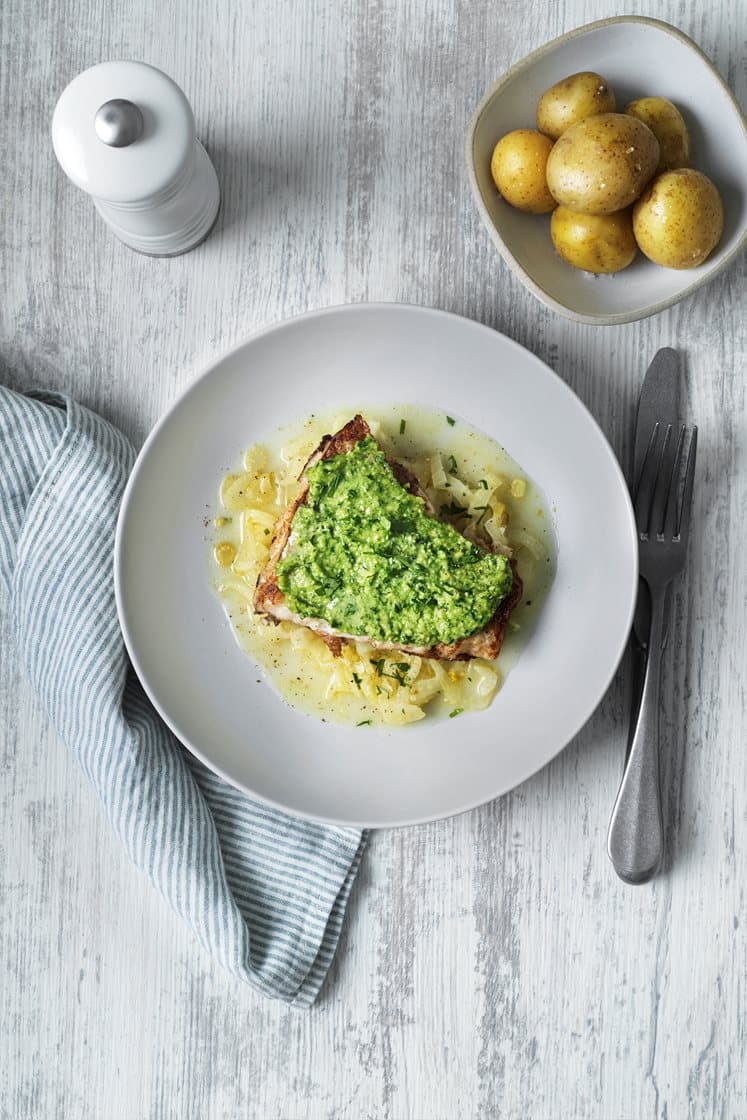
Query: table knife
x=658 y=401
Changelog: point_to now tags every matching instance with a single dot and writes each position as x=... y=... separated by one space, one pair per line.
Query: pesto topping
x=366 y=558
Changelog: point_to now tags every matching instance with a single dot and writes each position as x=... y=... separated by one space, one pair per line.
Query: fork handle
x=636 y=835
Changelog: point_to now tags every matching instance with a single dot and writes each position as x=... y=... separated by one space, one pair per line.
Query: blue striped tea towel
x=264 y=892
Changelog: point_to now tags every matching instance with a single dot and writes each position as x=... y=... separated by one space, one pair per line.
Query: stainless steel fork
x=663 y=499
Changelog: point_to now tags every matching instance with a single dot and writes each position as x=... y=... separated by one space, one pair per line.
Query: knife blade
x=659 y=399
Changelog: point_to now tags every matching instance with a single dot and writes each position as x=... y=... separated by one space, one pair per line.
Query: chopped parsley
x=398 y=670
x=452 y=464
x=402 y=426
x=451 y=421
x=456 y=712
x=363 y=723
x=357 y=680
x=453 y=509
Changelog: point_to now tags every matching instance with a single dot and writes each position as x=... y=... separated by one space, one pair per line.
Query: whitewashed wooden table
x=492 y=965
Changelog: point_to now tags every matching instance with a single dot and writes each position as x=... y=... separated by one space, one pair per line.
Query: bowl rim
x=537 y=290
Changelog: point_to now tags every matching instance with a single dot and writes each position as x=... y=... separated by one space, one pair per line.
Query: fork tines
x=663 y=495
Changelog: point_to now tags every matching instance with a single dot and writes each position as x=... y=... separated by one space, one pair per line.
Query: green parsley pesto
x=366 y=558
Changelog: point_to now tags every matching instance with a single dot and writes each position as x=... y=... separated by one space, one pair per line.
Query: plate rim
x=619 y=317
x=205 y=372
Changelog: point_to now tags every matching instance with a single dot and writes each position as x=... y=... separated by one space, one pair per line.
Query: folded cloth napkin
x=264 y=891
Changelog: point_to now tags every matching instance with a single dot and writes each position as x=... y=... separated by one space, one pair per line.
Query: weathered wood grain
x=493 y=966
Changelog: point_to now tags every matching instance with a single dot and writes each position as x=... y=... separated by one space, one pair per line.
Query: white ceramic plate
x=205 y=687
x=639 y=57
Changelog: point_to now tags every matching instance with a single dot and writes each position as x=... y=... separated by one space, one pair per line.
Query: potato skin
x=594 y=242
x=602 y=164
x=571 y=100
x=519 y=170
x=679 y=219
x=665 y=121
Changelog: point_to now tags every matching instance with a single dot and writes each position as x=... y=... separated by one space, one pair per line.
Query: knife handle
x=636 y=835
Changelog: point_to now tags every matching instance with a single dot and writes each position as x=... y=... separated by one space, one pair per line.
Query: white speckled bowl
x=205 y=687
x=639 y=57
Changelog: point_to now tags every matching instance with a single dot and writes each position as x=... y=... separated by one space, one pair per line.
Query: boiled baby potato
x=519 y=170
x=572 y=100
x=602 y=164
x=594 y=242
x=679 y=219
x=665 y=121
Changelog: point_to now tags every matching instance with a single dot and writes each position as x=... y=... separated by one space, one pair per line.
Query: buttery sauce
x=471 y=480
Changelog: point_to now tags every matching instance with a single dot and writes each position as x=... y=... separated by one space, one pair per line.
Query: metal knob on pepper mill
x=137 y=156
x=118 y=123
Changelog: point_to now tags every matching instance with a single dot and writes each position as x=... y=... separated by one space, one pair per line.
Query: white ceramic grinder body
x=125 y=134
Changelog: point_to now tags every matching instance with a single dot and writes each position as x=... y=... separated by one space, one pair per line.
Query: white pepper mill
x=124 y=133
